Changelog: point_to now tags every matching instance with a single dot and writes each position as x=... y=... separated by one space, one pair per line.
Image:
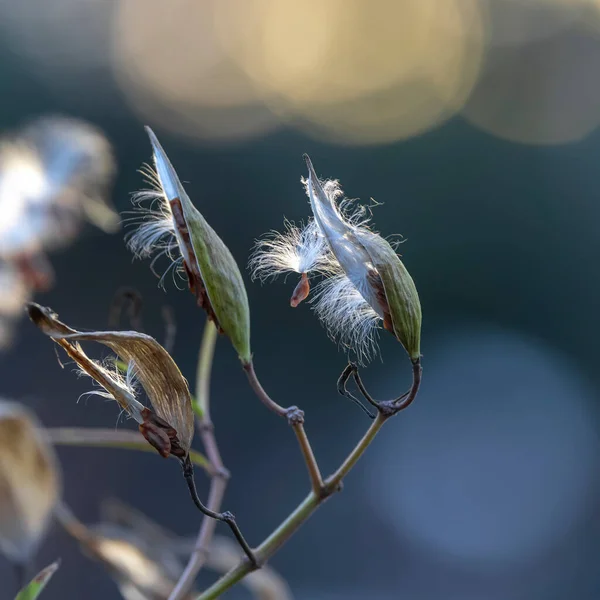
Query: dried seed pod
x=171 y=429
x=29 y=482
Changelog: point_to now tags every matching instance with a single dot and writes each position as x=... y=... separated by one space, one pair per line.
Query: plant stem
x=316 y=479
x=260 y=391
x=204 y=368
x=295 y=418
x=109 y=438
x=302 y=512
x=309 y=505
x=335 y=479
x=226 y=517
x=220 y=475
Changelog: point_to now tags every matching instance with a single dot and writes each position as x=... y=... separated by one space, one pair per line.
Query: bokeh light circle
x=497 y=461
x=357 y=71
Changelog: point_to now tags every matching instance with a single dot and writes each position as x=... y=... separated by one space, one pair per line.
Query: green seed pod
x=401 y=305
x=213 y=274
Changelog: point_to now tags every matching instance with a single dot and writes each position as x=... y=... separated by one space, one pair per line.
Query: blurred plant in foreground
x=29 y=485
x=364 y=284
x=54 y=173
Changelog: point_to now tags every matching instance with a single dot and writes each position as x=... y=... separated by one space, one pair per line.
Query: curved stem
x=220 y=476
x=109 y=438
x=309 y=505
x=406 y=399
x=295 y=418
x=226 y=517
x=260 y=391
x=395 y=405
x=302 y=512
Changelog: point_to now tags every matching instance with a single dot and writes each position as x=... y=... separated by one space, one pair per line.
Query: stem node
x=294 y=416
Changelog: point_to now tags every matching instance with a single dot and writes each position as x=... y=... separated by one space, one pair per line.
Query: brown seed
x=301 y=291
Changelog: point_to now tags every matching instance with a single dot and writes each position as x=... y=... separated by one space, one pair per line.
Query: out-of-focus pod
x=29 y=482
x=14 y=292
x=54 y=173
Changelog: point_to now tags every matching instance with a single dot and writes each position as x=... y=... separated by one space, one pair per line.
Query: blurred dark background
x=475 y=123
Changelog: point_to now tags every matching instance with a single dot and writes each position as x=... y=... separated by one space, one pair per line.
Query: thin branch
x=220 y=477
x=334 y=480
x=350 y=370
x=72 y=525
x=226 y=517
x=316 y=479
x=397 y=404
x=204 y=368
x=199 y=555
x=309 y=505
x=262 y=395
x=110 y=438
x=265 y=584
x=295 y=418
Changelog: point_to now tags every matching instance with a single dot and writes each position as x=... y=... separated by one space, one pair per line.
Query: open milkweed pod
x=30 y=483
x=363 y=283
x=372 y=266
x=213 y=275
x=170 y=428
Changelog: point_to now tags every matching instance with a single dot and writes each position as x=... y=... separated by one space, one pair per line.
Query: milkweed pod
x=171 y=429
x=398 y=295
x=212 y=272
x=29 y=482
